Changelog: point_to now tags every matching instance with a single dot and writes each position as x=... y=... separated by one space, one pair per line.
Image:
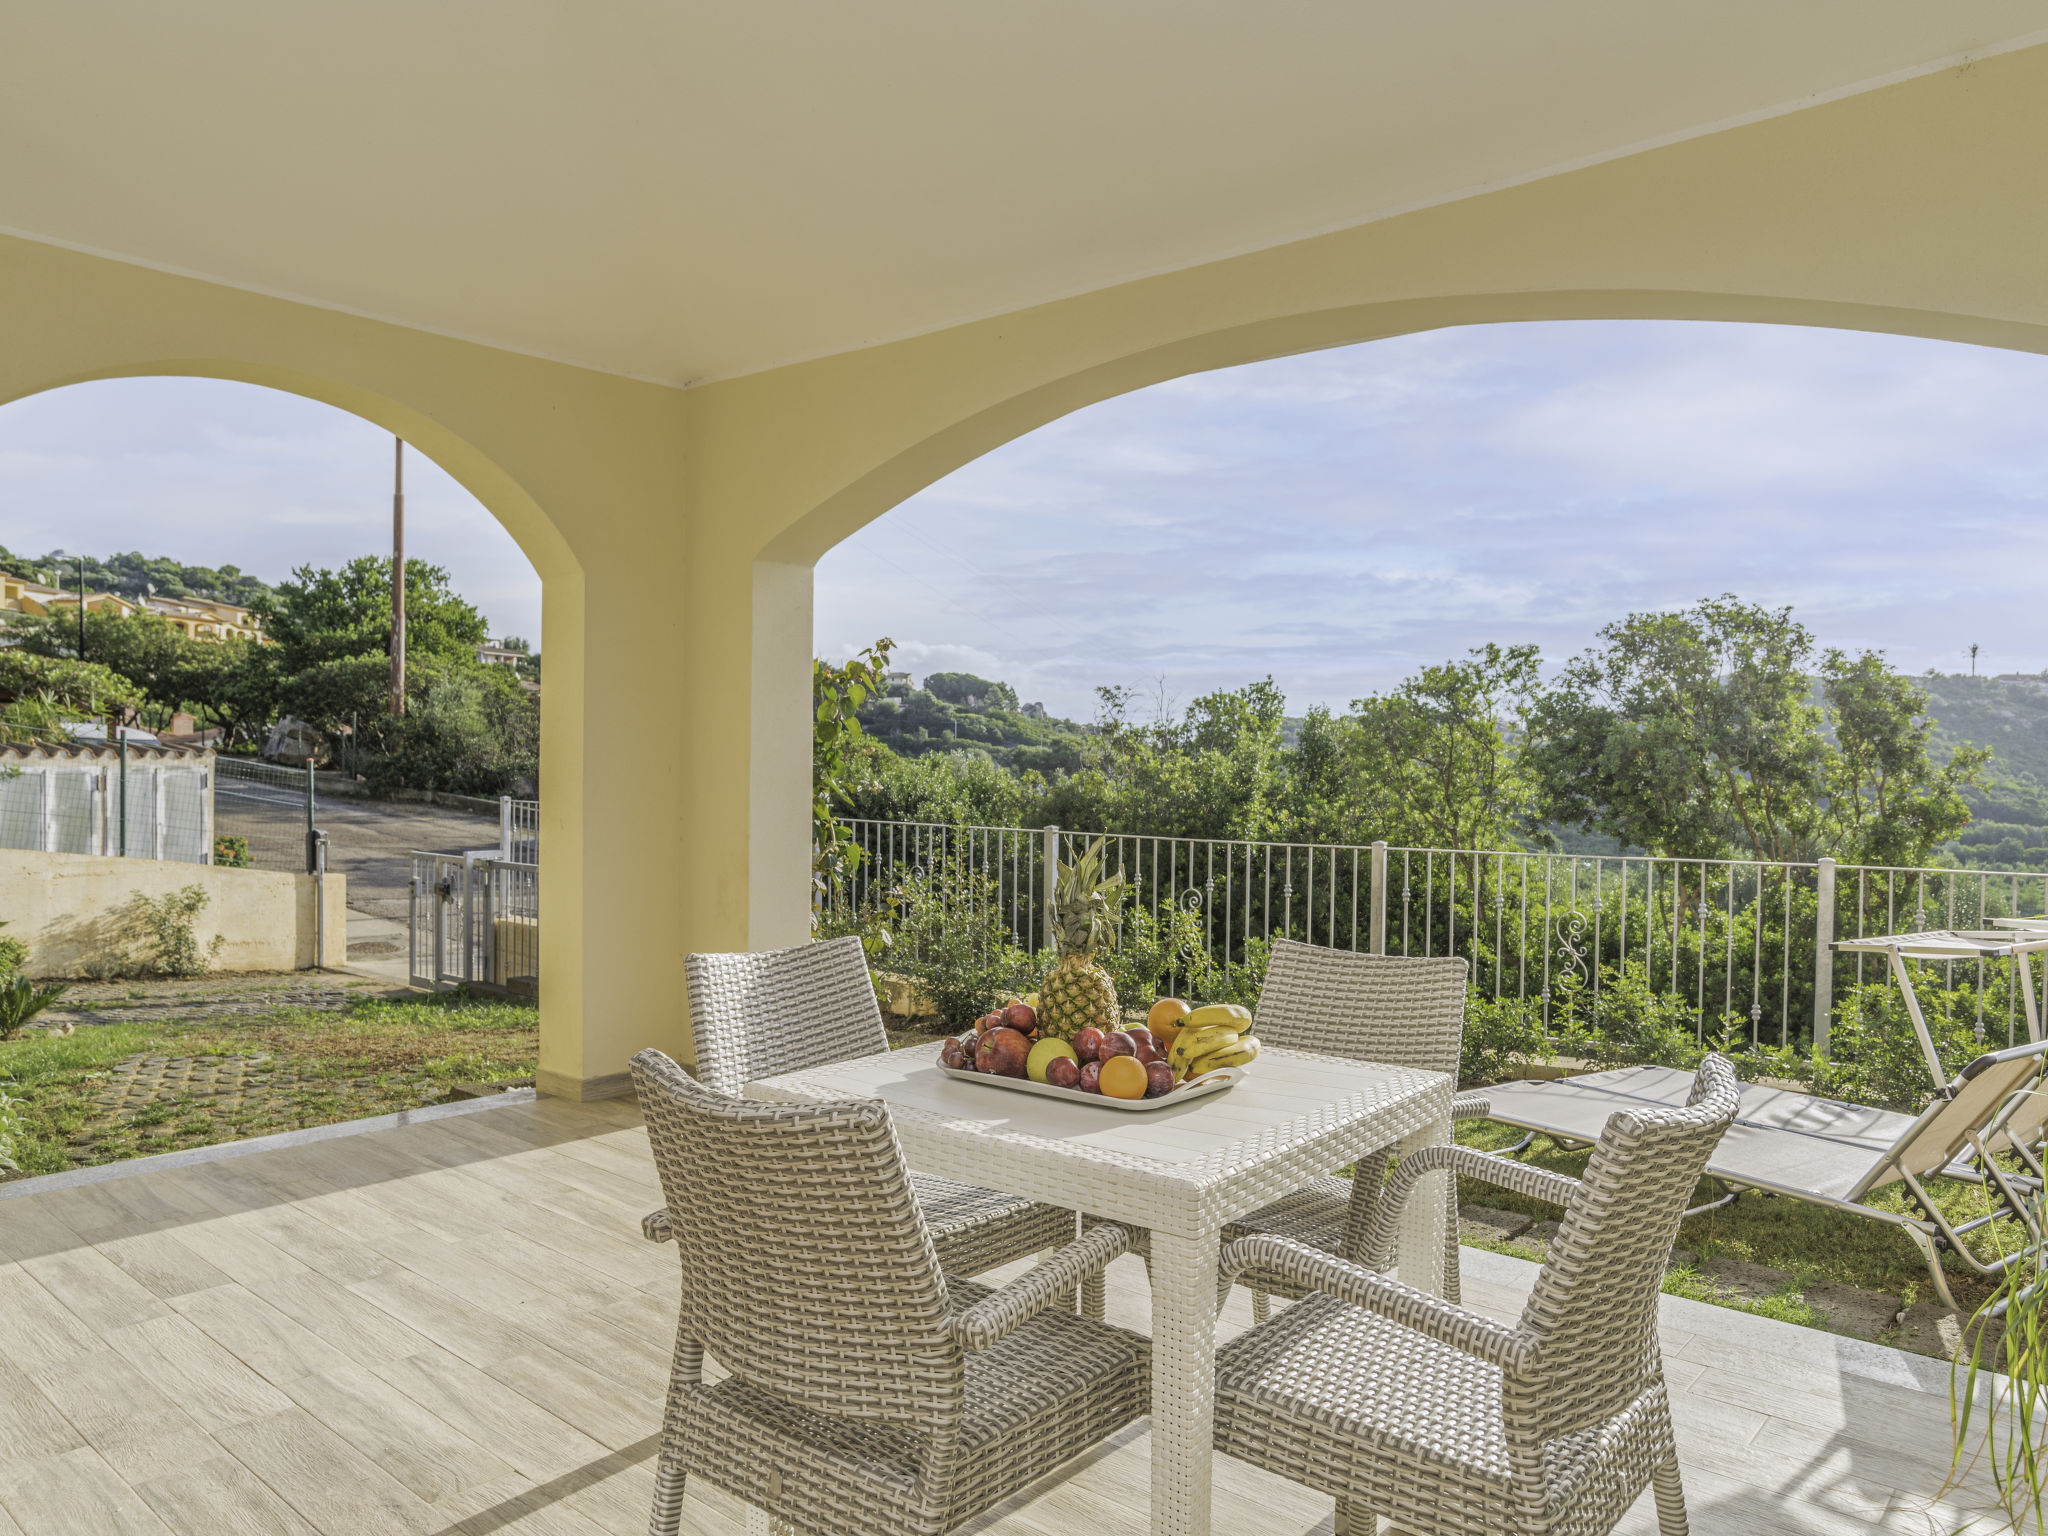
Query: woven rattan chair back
x=1593 y=1310
x=1397 y=1009
x=780 y=1010
x=806 y=1266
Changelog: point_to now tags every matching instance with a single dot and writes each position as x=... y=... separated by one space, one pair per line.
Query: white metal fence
x=518 y=830
x=141 y=802
x=1747 y=943
x=474 y=921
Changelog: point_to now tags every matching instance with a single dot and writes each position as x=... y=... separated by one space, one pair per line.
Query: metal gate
x=475 y=921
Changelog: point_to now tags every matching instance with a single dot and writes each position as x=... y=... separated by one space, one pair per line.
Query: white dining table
x=1183 y=1172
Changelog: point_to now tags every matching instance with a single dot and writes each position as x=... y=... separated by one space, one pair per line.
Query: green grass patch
x=376 y=1056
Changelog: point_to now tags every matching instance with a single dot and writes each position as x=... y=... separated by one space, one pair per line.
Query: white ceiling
x=681 y=191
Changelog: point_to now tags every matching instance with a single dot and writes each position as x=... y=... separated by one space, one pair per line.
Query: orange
x=1123 y=1077
x=1164 y=1019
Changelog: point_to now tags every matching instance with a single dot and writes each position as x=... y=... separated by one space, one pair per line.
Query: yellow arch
x=675 y=530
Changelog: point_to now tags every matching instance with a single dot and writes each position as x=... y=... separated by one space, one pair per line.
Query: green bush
x=167 y=926
x=950 y=937
x=1500 y=1034
x=13 y=955
x=1874 y=1056
x=231 y=852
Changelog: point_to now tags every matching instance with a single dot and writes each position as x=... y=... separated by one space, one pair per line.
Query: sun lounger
x=1835 y=1154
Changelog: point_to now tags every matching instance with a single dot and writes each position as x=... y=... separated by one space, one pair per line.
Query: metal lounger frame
x=1997 y=1103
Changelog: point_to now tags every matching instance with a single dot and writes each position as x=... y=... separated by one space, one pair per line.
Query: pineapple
x=1076 y=992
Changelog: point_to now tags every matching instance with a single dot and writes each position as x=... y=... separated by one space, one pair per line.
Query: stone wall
x=76 y=913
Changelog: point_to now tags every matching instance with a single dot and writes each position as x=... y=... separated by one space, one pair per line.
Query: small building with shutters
x=79 y=797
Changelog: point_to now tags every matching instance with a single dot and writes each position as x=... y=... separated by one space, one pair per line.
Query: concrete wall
x=74 y=912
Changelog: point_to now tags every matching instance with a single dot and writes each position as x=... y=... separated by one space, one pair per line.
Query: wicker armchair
x=1444 y=1421
x=869 y=1394
x=1393 y=1009
x=758 y=1015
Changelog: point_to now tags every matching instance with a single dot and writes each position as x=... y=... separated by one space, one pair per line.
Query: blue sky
x=1336 y=520
x=1339 y=519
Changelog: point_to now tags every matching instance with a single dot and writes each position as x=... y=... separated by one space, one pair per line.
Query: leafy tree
x=320 y=616
x=1435 y=752
x=231 y=686
x=837 y=695
x=470 y=730
x=1697 y=733
x=38 y=694
x=1886 y=801
x=147 y=650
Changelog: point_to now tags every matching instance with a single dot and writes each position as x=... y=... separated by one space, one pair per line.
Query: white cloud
x=1339 y=518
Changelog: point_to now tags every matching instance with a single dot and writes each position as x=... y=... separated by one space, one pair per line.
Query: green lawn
x=296 y=1068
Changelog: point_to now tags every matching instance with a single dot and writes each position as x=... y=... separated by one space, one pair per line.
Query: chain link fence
x=263 y=815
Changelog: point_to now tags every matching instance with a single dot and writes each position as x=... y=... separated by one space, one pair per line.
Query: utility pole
x=81 y=607
x=1973 y=659
x=398 y=578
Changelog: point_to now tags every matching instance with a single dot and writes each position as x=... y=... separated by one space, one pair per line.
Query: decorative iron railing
x=1747 y=943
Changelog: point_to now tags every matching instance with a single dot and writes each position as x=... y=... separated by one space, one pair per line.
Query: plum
x=1021 y=1017
x=1088 y=1044
x=1117 y=1043
x=1158 y=1079
x=987 y=1022
x=1091 y=1077
x=1144 y=1046
x=1063 y=1072
x=1004 y=1052
x=953 y=1054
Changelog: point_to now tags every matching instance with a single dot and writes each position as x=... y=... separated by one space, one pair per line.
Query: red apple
x=1117 y=1043
x=1021 y=1017
x=1158 y=1079
x=1064 y=1072
x=1144 y=1045
x=1088 y=1044
x=987 y=1022
x=1004 y=1052
x=1091 y=1077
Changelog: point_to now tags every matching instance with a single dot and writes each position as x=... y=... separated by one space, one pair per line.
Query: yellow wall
x=675 y=798
x=72 y=911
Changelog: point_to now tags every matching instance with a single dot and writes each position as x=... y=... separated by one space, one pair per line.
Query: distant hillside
x=958 y=709
x=2009 y=714
x=132 y=573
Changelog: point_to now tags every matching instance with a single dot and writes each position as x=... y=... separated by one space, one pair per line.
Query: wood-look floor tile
x=340 y=1491
x=109 y=1400
x=220 y=1495
x=476 y=1334
x=615 y=1405
x=535 y=1442
x=162 y=1264
x=266 y=1340
x=96 y=1290
x=212 y=1387
x=418 y=1448
x=36 y=1329
x=30 y=1424
x=74 y=1494
x=360 y=1330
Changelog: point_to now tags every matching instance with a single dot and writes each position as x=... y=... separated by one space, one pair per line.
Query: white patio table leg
x=1183 y=1380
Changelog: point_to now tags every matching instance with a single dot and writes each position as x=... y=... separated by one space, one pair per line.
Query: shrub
x=231 y=852
x=167 y=926
x=1873 y=1055
x=13 y=955
x=951 y=938
x=21 y=1000
x=1625 y=1023
x=1500 y=1033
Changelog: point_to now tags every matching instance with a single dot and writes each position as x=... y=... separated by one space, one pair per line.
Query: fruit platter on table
x=1067 y=1040
x=1177 y=1054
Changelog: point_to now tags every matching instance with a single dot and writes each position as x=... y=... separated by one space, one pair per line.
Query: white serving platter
x=1211 y=1082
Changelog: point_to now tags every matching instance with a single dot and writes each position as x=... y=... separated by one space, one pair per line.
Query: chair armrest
x=1312 y=1269
x=1537 y=1183
x=1471 y=1106
x=1031 y=1293
x=656 y=1228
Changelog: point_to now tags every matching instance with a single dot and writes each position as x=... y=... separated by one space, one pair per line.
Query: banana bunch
x=1211 y=1037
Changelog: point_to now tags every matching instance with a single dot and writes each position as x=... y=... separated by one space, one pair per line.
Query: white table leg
x=1183 y=1381
x=1419 y=1242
